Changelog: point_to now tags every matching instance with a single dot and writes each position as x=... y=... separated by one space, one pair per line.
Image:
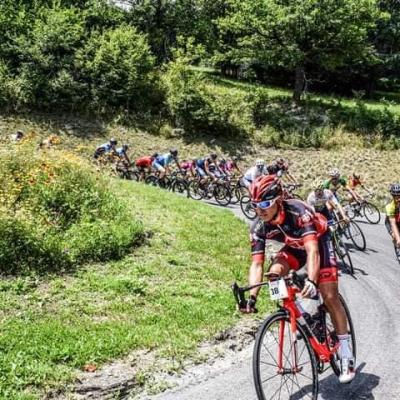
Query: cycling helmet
x=125 y=147
x=113 y=141
x=155 y=155
x=235 y=159
x=356 y=176
x=174 y=152
x=395 y=189
x=266 y=187
x=260 y=163
x=280 y=161
x=213 y=156
x=334 y=173
x=223 y=161
x=318 y=185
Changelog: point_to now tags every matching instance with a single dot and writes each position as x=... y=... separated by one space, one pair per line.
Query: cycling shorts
x=297 y=258
x=157 y=166
x=201 y=172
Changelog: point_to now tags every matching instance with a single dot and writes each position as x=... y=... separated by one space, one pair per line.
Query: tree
x=298 y=33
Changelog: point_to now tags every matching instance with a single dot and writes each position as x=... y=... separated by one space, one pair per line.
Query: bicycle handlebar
x=293 y=278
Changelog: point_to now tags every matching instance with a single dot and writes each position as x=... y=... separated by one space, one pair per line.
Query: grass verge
x=167 y=296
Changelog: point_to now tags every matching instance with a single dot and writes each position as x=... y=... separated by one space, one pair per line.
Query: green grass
x=168 y=295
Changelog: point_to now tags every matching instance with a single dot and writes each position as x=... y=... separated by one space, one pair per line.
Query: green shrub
x=57 y=212
x=200 y=108
x=117 y=67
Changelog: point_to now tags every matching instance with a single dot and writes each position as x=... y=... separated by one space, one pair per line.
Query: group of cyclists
x=301 y=226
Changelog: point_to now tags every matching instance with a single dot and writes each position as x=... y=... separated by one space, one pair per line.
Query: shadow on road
x=360 y=388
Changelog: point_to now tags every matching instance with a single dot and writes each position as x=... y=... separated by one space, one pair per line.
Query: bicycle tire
x=301 y=347
x=221 y=194
x=335 y=360
x=343 y=253
x=356 y=235
x=180 y=186
x=151 y=180
x=369 y=211
x=247 y=209
x=195 y=191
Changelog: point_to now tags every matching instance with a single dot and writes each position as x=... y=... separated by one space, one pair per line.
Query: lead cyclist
x=307 y=242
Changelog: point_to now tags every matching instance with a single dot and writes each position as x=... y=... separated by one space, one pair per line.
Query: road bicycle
x=174 y=182
x=219 y=190
x=351 y=231
x=292 y=347
x=363 y=208
x=340 y=247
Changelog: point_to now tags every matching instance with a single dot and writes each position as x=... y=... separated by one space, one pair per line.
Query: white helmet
x=334 y=173
x=260 y=163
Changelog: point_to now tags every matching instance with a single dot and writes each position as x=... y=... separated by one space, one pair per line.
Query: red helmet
x=266 y=187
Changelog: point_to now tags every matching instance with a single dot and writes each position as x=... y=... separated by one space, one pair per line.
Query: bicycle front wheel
x=284 y=364
x=196 y=192
x=356 y=235
x=371 y=213
x=222 y=194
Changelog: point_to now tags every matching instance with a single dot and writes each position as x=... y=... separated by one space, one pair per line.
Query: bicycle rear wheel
x=152 y=180
x=284 y=365
x=371 y=213
x=349 y=209
x=332 y=338
x=247 y=208
x=356 y=235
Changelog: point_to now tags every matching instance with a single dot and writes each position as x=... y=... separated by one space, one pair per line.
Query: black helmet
x=213 y=156
x=113 y=141
x=395 y=189
x=223 y=161
x=356 y=176
x=125 y=147
x=155 y=155
x=174 y=152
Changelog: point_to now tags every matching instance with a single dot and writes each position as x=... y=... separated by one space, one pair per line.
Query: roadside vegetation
x=162 y=283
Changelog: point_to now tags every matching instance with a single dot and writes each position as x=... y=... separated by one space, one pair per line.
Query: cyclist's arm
x=256 y=274
x=291 y=178
x=395 y=229
x=313 y=257
x=352 y=192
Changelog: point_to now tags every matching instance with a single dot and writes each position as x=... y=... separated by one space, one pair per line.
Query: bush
x=57 y=212
x=200 y=108
x=117 y=67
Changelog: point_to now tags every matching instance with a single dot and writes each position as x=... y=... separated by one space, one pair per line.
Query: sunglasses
x=263 y=205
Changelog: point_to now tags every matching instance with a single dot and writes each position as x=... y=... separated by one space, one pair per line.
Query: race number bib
x=278 y=289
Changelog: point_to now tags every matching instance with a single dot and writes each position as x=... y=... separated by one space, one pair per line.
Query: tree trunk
x=299 y=83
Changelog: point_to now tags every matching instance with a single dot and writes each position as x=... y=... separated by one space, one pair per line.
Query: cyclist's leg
x=288 y=259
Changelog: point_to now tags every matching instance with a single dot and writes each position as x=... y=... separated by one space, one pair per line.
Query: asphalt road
x=373 y=295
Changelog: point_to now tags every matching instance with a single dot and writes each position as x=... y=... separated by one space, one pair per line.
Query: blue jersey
x=164 y=160
x=200 y=163
x=106 y=147
x=121 y=152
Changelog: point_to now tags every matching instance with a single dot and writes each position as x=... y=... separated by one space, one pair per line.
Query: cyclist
x=207 y=166
x=254 y=172
x=392 y=221
x=354 y=181
x=109 y=147
x=162 y=162
x=232 y=165
x=306 y=241
x=189 y=167
x=324 y=202
x=123 y=155
x=335 y=182
x=144 y=165
x=280 y=167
